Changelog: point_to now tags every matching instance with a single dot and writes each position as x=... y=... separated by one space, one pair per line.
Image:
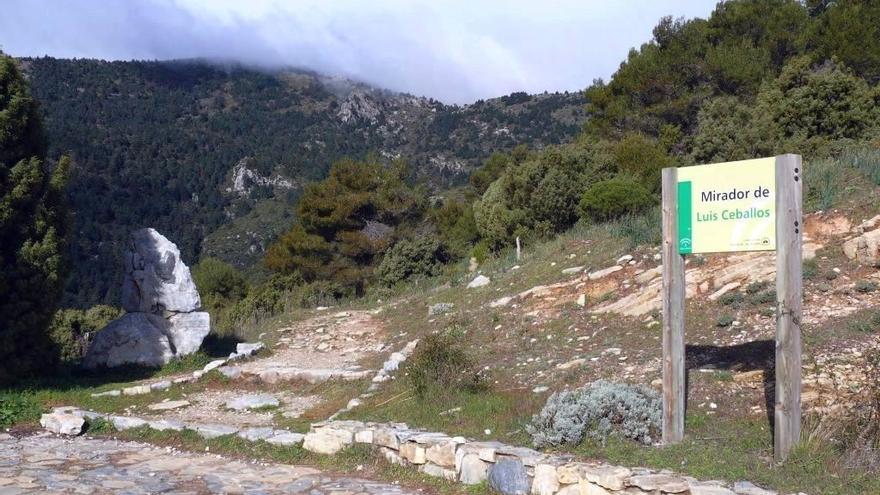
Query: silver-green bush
x=598 y=411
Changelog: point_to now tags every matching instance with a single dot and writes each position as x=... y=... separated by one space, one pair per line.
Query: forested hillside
x=194 y=149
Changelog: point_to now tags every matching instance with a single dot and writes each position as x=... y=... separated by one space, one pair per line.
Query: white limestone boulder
x=186 y=331
x=163 y=321
x=156 y=279
x=134 y=338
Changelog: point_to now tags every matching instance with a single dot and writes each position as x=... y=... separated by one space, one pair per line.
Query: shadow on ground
x=759 y=355
x=71 y=376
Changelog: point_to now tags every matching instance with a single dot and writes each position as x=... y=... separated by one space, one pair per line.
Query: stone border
x=509 y=470
x=245 y=350
x=242 y=350
x=70 y=421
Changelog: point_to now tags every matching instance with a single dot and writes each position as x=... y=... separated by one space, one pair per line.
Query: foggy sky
x=456 y=51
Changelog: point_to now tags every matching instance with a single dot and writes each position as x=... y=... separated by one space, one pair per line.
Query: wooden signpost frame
x=789 y=296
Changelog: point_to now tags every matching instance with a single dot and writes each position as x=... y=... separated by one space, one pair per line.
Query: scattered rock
x=478 y=281
x=214 y=365
x=864 y=249
x=246 y=349
x=582 y=300
x=572 y=270
x=231 y=372
x=439 y=308
x=604 y=272
x=137 y=390
x=724 y=290
x=63 y=423
x=162 y=385
x=504 y=301
x=571 y=364
x=626 y=258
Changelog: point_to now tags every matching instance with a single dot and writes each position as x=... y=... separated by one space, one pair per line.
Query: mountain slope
x=192 y=148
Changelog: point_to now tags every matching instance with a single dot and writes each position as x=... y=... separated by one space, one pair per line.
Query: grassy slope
x=724 y=439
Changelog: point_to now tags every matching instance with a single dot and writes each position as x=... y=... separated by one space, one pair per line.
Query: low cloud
x=455 y=51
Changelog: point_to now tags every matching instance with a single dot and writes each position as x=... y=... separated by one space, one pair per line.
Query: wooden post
x=673 y=314
x=789 y=288
x=518 y=252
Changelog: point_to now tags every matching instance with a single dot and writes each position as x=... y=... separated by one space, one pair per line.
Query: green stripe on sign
x=685 y=218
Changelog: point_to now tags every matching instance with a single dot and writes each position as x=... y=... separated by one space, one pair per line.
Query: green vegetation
x=810 y=269
x=71 y=328
x=346 y=222
x=441 y=364
x=18 y=408
x=598 y=411
x=34 y=226
x=724 y=321
x=753 y=78
x=421 y=257
x=614 y=198
x=865 y=286
x=218 y=279
x=865 y=321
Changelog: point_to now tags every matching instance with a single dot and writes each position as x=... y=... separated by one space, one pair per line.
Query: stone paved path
x=46 y=464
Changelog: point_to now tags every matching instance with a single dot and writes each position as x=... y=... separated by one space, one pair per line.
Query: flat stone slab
x=166 y=424
x=213 y=431
x=168 y=405
x=259 y=433
x=256 y=401
x=287 y=439
x=125 y=423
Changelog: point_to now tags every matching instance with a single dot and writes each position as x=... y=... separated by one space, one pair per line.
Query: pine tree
x=346 y=222
x=33 y=231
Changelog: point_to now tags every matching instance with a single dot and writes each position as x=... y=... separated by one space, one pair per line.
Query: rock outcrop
x=163 y=320
x=865 y=248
